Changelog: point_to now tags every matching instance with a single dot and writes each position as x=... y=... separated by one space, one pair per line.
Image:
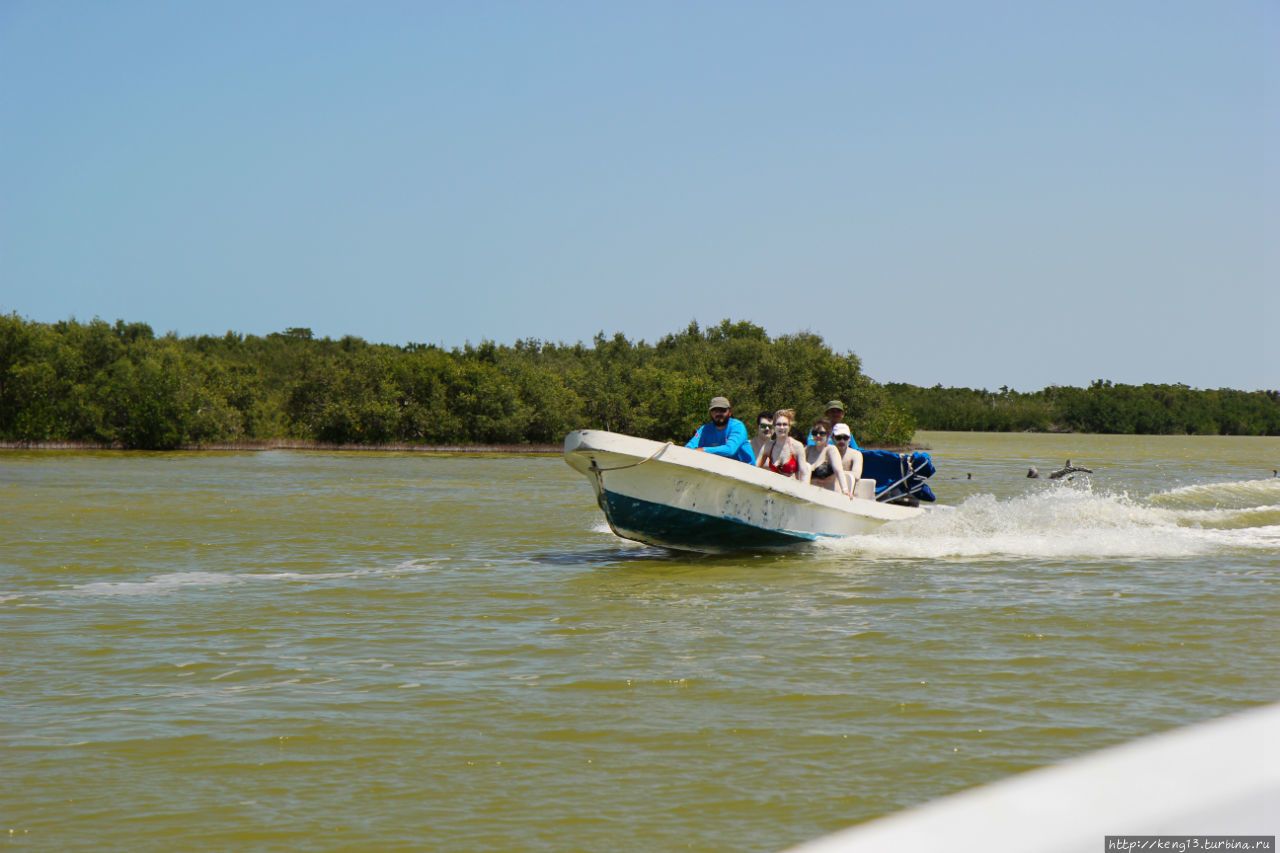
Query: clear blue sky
x=978 y=194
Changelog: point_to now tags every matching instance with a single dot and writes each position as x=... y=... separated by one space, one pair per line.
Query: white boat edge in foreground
x=1218 y=778
x=674 y=497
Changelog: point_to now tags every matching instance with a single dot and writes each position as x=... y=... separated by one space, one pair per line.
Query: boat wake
x=1237 y=494
x=1074 y=521
x=171 y=583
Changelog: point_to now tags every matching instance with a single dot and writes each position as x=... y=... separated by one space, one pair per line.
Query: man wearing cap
x=724 y=435
x=835 y=414
x=850 y=455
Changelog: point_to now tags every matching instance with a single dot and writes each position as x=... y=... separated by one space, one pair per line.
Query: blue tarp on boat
x=899 y=476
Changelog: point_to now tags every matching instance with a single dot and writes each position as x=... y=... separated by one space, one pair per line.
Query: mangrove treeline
x=1102 y=407
x=122 y=385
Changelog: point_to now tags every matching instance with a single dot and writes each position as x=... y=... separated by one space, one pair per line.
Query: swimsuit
x=822 y=471
x=789 y=467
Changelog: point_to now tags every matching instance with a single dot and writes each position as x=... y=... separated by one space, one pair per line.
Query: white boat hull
x=674 y=497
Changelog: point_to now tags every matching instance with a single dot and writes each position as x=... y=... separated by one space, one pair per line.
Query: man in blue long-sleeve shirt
x=725 y=435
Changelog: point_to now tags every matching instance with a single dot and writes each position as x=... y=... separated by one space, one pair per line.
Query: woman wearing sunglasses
x=782 y=454
x=824 y=459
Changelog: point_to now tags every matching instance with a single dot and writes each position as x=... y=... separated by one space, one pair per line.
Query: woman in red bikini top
x=783 y=454
x=789 y=467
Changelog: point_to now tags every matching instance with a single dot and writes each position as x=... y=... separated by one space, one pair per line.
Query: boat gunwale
x=719 y=467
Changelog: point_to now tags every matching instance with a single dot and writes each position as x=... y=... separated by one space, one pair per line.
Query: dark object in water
x=1033 y=473
x=1069 y=469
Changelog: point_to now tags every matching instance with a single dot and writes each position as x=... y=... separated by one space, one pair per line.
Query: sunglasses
x=764 y=425
x=842 y=438
x=817 y=433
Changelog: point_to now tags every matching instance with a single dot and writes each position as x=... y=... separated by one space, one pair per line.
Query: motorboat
x=675 y=497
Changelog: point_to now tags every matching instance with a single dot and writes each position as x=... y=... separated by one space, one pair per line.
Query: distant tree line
x=120 y=384
x=1103 y=407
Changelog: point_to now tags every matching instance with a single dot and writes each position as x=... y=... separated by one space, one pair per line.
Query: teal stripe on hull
x=670 y=527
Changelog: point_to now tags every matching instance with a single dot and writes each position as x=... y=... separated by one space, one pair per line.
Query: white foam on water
x=1237 y=494
x=604 y=528
x=1068 y=522
x=158 y=585
x=1254 y=516
x=304 y=576
x=167 y=584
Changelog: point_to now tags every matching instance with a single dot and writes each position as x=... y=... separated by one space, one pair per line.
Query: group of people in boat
x=829 y=458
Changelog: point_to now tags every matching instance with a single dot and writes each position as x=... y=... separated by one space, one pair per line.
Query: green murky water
x=299 y=651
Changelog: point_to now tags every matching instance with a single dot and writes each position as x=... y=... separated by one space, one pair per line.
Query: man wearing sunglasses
x=725 y=435
x=764 y=432
x=850 y=455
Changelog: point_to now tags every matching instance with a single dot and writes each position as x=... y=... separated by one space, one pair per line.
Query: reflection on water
x=609 y=556
x=289 y=649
